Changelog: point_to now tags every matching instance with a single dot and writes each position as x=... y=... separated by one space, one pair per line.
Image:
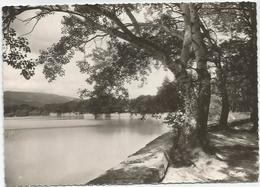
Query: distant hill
x=33 y=98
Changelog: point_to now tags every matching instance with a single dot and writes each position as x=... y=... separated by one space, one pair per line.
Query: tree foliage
x=176 y=36
x=167 y=99
x=15 y=53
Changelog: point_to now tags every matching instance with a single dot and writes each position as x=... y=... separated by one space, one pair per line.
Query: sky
x=47 y=32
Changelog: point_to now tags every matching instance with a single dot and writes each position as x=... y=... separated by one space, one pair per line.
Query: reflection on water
x=71 y=155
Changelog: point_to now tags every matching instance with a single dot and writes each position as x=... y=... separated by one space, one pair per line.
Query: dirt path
x=236 y=160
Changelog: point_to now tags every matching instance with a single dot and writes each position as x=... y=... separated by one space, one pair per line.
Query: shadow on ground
x=236 y=159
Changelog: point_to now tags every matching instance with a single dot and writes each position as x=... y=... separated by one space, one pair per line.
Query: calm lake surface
x=49 y=151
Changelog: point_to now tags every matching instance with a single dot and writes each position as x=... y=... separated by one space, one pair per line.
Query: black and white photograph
x=130 y=93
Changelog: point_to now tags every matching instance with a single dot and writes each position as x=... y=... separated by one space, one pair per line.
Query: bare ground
x=236 y=159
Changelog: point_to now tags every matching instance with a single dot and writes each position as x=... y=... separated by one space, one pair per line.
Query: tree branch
x=152 y=48
x=175 y=33
x=32 y=28
x=172 y=33
x=133 y=20
x=111 y=16
x=94 y=37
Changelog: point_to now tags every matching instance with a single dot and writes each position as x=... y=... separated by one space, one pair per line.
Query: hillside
x=33 y=98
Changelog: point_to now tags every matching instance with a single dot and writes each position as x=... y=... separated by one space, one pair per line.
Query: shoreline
x=111 y=141
x=152 y=165
x=88 y=121
x=148 y=165
x=67 y=124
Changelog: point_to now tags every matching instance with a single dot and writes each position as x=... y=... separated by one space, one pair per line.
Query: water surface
x=44 y=151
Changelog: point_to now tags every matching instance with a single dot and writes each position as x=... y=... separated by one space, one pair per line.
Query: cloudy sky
x=48 y=31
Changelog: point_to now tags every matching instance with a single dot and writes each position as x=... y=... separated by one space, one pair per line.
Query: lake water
x=52 y=152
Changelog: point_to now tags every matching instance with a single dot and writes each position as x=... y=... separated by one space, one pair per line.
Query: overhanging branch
x=152 y=48
x=32 y=28
x=133 y=20
x=94 y=37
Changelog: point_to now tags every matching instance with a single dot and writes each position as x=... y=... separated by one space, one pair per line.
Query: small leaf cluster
x=175 y=119
x=15 y=51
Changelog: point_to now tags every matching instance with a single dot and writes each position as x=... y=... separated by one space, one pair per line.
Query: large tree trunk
x=254 y=119
x=223 y=121
x=254 y=99
x=196 y=97
x=253 y=68
x=204 y=92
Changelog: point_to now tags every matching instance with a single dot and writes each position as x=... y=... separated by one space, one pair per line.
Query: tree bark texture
x=225 y=106
x=204 y=91
x=253 y=67
x=196 y=98
x=223 y=121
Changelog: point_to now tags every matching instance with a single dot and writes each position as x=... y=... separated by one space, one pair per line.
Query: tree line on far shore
x=167 y=99
x=163 y=101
